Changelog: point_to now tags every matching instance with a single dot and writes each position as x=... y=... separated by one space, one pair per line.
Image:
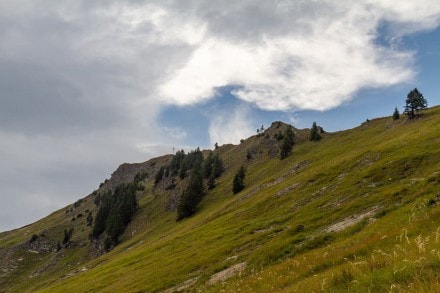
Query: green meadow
x=358 y=211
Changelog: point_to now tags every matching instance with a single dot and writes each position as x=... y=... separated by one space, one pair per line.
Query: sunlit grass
x=278 y=225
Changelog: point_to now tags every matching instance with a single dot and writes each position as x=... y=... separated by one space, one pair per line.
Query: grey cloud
x=80 y=81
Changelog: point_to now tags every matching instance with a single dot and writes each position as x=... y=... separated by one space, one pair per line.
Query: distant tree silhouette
x=159 y=175
x=115 y=211
x=396 y=114
x=287 y=142
x=192 y=195
x=89 y=219
x=414 y=102
x=191 y=160
x=314 y=133
x=67 y=235
x=211 y=181
x=212 y=165
x=238 y=182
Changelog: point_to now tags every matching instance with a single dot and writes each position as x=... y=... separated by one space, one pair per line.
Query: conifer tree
x=207 y=165
x=115 y=212
x=238 y=182
x=396 y=114
x=211 y=181
x=217 y=166
x=159 y=175
x=287 y=143
x=414 y=102
x=191 y=196
x=314 y=133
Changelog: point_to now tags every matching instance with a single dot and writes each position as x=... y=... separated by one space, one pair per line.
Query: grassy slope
x=389 y=168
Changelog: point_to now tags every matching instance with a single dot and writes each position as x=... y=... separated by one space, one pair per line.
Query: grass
x=391 y=167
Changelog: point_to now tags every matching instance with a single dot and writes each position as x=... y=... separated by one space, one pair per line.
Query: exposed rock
x=182 y=287
x=352 y=220
x=227 y=273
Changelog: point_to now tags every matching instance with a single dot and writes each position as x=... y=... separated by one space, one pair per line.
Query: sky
x=87 y=85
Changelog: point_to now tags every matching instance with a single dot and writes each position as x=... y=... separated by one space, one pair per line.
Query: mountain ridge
x=323 y=195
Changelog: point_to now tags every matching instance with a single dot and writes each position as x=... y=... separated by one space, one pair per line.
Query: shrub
x=314 y=133
x=33 y=238
x=238 y=182
x=287 y=143
x=191 y=197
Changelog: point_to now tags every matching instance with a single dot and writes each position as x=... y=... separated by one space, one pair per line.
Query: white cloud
x=321 y=62
x=230 y=127
x=82 y=82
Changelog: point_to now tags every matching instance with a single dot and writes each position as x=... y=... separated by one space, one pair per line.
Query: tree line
x=197 y=169
x=115 y=212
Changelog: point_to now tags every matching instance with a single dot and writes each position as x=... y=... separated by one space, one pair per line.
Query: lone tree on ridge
x=414 y=102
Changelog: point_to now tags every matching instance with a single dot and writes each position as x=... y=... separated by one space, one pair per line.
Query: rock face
x=126 y=172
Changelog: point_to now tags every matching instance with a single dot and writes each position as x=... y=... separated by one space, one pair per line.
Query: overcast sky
x=87 y=85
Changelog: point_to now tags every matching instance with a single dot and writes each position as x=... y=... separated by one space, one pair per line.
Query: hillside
x=357 y=211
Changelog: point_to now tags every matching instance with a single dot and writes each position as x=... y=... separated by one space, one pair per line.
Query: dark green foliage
x=278 y=136
x=238 y=182
x=33 y=238
x=67 y=235
x=414 y=102
x=212 y=169
x=115 y=212
x=176 y=162
x=211 y=182
x=159 y=175
x=89 y=219
x=314 y=133
x=217 y=166
x=287 y=143
x=260 y=131
x=191 y=196
x=192 y=160
x=102 y=215
x=207 y=165
x=248 y=155
x=97 y=200
x=396 y=114
x=140 y=177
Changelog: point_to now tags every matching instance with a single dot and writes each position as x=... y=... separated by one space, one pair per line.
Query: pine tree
x=238 y=182
x=314 y=133
x=396 y=114
x=176 y=162
x=67 y=235
x=217 y=166
x=207 y=165
x=115 y=212
x=89 y=219
x=287 y=143
x=159 y=175
x=414 y=102
x=211 y=182
x=191 y=196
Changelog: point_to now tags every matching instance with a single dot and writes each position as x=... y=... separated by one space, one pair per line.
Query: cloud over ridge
x=82 y=83
x=302 y=55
